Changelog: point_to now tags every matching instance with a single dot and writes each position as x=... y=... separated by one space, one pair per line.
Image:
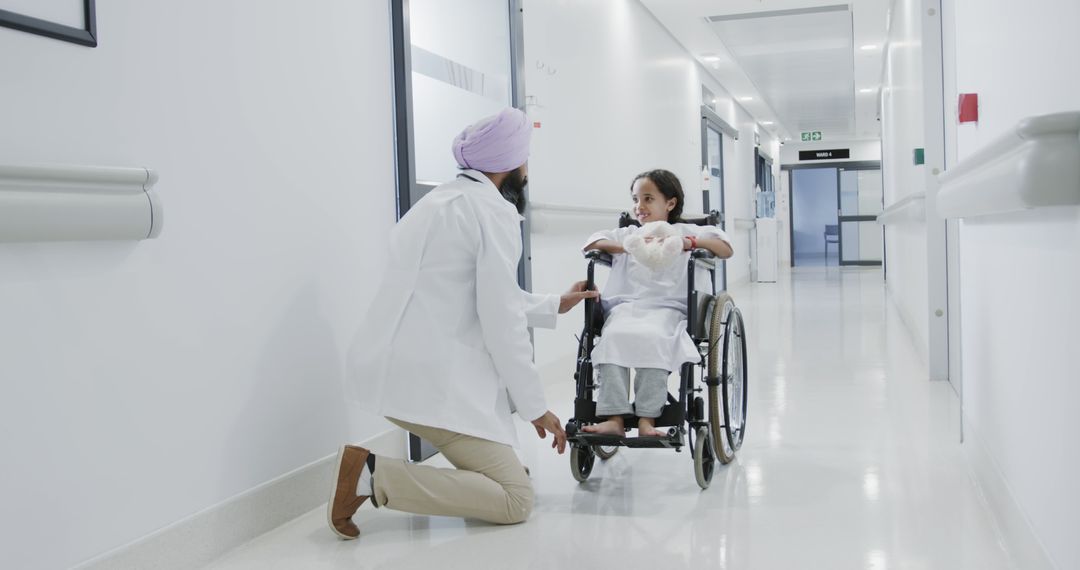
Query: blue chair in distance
x=832 y=235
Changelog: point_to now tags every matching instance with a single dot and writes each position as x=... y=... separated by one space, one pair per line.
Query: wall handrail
x=78 y=203
x=580 y=210
x=1036 y=164
x=745 y=223
x=907 y=210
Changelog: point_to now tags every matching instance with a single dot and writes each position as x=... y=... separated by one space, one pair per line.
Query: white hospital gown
x=645 y=310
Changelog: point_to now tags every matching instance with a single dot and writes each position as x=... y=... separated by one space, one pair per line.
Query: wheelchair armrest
x=599 y=256
x=704 y=257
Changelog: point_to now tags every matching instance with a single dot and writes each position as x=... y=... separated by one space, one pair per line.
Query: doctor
x=445 y=346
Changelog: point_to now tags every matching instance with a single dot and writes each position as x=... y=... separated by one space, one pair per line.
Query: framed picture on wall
x=67 y=20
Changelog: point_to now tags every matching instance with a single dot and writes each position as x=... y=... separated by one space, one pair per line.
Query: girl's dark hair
x=669 y=186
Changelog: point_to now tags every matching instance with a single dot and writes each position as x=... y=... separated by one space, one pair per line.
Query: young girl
x=645 y=309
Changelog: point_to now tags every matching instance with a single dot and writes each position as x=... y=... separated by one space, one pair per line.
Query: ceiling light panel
x=800 y=61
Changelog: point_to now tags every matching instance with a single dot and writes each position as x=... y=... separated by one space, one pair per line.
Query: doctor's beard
x=513 y=189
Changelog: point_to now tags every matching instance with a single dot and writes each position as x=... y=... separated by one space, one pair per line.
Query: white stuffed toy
x=656 y=245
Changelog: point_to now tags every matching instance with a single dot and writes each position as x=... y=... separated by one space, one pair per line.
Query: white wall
x=143 y=382
x=1019 y=272
x=906 y=257
x=616 y=95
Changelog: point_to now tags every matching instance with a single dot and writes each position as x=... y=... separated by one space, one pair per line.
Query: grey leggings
x=650 y=391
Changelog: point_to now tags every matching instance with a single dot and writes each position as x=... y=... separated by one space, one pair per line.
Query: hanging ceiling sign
x=811 y=136
x=825 y=154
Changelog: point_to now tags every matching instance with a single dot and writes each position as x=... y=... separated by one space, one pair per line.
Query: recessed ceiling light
x=714 y=100
x=868 y=47
x=746 y=98
x=866 y=90
x=766 y=122
x=710 y=58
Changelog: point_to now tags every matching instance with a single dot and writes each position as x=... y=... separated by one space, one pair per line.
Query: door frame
x=835 y=165
x=407 y=187
x=706 y=126
x=710 y=120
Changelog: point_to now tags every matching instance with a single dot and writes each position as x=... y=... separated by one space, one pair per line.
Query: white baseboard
x=1023 y=545
x=205 y=536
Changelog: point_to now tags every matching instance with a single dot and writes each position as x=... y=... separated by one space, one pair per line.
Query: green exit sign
x=809 y=136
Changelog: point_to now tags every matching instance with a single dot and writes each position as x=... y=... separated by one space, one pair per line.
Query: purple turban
x=499 y=143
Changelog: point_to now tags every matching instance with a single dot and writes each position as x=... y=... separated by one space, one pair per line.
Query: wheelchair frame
x=712 y=436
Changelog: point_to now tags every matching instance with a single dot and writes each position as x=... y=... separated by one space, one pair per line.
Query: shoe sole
x=333 y=497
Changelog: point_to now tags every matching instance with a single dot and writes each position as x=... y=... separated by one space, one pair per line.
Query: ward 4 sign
x=809 y=136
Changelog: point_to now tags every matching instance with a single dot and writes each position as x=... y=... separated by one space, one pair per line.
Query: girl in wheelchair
x=645 y=307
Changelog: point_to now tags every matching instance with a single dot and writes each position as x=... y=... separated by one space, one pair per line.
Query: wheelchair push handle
x=700 y=255
x=606 y=258
x=599 y=255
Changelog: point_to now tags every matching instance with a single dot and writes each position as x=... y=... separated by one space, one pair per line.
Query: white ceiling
x=796 y=63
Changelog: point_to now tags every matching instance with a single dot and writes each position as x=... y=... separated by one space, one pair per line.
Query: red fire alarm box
x=969 y=108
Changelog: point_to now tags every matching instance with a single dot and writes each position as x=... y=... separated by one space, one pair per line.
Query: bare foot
x=647 y=429
x=610 y=427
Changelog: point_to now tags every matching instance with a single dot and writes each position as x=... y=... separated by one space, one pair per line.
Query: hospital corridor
x=852 y=465
x=539 y=284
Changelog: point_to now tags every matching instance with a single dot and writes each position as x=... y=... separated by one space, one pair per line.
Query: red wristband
x=693 y=242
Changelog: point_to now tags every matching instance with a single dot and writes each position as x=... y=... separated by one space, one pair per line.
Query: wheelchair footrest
x=643 y=442
x=671 y=441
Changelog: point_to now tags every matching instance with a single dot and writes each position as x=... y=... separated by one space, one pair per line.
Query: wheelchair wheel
x=735 y=388
x=704 y=458
x=721 y=310
x=581 y=462
x=605 y=452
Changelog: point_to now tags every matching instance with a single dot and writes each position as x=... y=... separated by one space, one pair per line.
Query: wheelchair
x=709 y=414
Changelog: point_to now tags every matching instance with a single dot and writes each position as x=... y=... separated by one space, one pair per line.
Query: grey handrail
x=1036 y=164
x=909 y=209
x=77 y=203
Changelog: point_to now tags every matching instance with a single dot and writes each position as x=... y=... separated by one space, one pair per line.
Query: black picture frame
x=85 y=36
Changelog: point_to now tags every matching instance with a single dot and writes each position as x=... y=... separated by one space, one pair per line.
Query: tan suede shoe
x=343 y=499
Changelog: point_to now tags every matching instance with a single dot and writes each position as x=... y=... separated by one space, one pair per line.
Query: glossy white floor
x=851 y=461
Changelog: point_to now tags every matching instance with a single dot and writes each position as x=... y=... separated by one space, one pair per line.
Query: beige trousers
x=489 y=483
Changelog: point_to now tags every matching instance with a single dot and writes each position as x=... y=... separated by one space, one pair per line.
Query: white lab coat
x=446 y=338
x=645 y=310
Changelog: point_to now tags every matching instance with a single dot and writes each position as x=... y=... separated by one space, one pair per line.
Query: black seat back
x=699 y=329
x=710 y=219
x=593 y=307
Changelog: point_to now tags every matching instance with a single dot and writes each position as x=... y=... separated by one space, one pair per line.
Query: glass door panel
x=714 y=197
x=716 y=171
x=457 y=78
x=860 y=192
x=859 y=197
x=861 y=243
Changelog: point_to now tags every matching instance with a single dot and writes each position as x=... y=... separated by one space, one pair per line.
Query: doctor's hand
x=550 y=422
x=574 y=296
